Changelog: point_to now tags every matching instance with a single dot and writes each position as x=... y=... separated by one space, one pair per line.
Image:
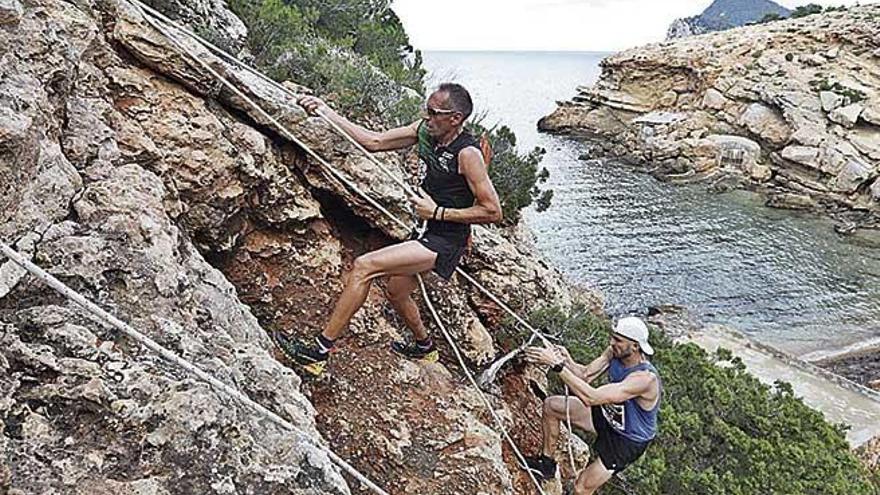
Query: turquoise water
x=784 y=278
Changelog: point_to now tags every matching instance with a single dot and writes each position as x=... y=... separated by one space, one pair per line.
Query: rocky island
x=790 y=107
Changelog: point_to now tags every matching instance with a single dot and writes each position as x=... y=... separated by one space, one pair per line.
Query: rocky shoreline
x=862 y=367
x=790 y=108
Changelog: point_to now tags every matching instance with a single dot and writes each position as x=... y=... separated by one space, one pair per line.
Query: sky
x=563 y=25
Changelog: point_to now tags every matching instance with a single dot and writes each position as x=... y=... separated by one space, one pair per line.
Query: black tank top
x=442 y=181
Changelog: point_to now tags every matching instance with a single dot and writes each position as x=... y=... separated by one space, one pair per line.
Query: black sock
x=425 y=344
x=325 y=345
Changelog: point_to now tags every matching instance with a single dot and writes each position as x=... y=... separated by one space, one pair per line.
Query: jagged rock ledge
x=791 y=108
x=130 y=174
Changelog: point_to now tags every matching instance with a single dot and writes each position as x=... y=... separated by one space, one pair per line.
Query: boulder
x=766 y=123
x=714 y=99
x=852 y=175
x=866 y=141
x=809 y=134
x=805 y=155
x=759 y=173
x=846 y=116
x=668 y=99
x=211 y=16
x=875 y=190
x=871 y=113
x=830 y=100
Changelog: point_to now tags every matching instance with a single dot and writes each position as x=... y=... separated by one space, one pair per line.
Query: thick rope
x=407 y=188
x=570 y=431
x=519 y=457
x=217 y=385
x=283 y=129
x=278 y=125
x=235 y=61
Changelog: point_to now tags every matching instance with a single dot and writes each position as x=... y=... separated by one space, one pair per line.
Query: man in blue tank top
x=457 y=192
x=622 y=413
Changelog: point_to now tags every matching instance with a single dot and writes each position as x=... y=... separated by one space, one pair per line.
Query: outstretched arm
x=553 y=354
x=391 y=139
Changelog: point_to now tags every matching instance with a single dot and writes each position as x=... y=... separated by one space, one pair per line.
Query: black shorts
x=449 y=248
x=615 y=450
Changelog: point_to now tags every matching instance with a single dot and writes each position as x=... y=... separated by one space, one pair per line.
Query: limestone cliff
x=792 y=107
x=128 y=172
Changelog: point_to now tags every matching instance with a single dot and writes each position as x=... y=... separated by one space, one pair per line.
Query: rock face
x=805 y=91
x=130 y=174
x=725 y=14
x=212 y=18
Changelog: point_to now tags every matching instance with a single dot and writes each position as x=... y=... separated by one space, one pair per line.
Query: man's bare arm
x=635 y=385
x=593 y=370
x=392 y=139
x=487 y=207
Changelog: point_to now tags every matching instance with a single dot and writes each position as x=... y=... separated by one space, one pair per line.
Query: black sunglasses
x=434 y=112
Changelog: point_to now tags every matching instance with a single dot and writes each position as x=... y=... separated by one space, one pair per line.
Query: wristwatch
x=558 y=367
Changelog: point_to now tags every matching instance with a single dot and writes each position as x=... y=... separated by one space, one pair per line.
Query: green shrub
x=371 y=29
x=805 y=10
x=516 y=177
x=290 y=42
x=770 y=17
x=721 y=430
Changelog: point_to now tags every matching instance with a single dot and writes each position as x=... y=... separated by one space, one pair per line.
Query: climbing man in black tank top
x=457 y=193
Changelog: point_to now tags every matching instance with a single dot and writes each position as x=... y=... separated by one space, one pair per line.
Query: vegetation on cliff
x=516 y=176
x=358 y=55
x=721 y=430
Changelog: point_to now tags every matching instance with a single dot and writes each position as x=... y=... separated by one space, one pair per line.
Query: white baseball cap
x=634 y=329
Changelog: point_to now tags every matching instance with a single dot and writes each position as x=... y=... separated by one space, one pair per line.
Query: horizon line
x=517 y=50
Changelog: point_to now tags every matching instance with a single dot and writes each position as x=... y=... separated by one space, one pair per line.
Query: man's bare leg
x=407 y=258
x=554 y=414
x=403 y=259
x=591 y=478
x=399 y=291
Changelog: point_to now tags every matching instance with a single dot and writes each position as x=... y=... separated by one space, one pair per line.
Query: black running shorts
x=615 y=450
x=449 y=248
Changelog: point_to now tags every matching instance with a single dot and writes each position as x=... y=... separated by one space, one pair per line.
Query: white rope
x=176 y=360
x=234 y=60
x=519 y=457
x=281 y=128
x=570 y=432
x=145 y=8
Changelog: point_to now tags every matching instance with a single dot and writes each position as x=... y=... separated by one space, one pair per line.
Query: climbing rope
x=219 y=386
x=143 y=9
x=519 y=457
x=406 y=187
x=570 y=431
